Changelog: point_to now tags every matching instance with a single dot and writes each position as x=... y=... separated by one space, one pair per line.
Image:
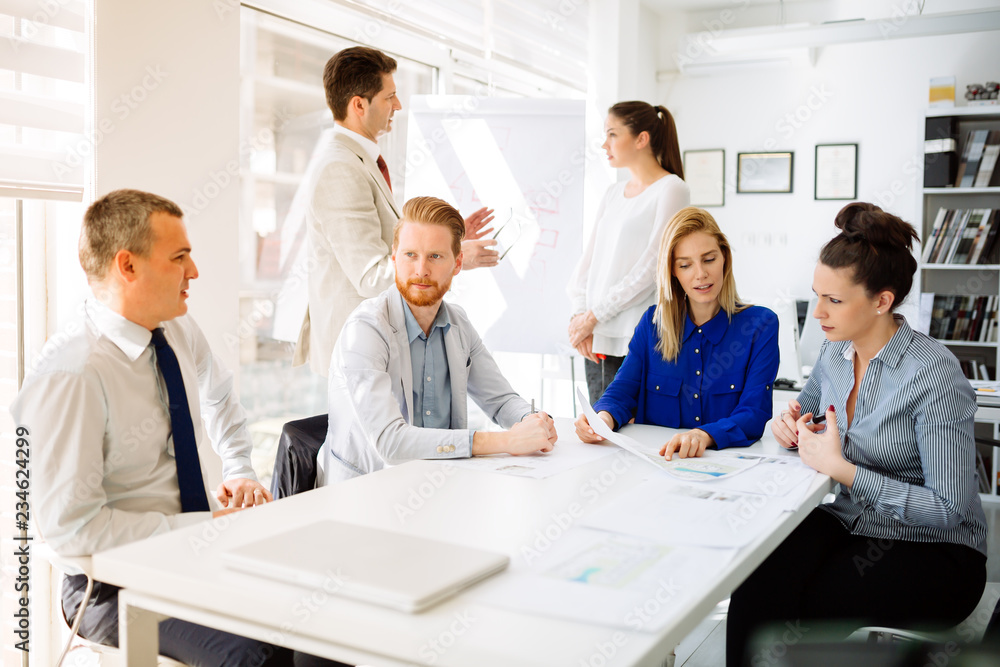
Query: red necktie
x=385 y=171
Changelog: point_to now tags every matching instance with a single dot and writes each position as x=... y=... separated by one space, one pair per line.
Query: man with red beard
x=406 y=362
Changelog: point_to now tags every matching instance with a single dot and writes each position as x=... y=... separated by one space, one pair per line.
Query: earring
x=878 y=312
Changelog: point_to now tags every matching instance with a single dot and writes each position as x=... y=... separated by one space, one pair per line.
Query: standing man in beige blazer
x=352 y=212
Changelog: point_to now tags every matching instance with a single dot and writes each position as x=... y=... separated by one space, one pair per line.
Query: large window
x=284 y=114
x=440 y=48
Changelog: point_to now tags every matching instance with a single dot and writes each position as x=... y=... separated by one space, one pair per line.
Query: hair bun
x=861 y=222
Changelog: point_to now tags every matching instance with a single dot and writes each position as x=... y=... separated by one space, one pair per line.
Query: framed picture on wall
x=836 y=171
x=704 y=173
x=764 y=172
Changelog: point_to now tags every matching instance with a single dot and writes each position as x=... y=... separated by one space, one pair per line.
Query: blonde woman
x=700 y=359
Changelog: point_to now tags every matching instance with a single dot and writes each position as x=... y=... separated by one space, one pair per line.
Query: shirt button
x=732 y=386
x=696 y=350
x=697 y=419
x=440 y=449
x=696 y=373
x=696 y=395
x=699 y=330
x=428 y=412
x=657 y=387
x=428 y=378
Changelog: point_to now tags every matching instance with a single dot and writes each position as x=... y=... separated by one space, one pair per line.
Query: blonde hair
x=432 y=211
x=119 y=221
x=671 y=301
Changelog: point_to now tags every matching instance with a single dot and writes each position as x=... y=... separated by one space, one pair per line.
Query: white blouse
x=616 y=276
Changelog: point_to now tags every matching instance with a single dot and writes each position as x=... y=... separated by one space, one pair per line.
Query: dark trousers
x=600 y=375
x=194 y=645
x=824 y=580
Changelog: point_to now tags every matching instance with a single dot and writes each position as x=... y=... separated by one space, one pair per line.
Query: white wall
x=166 y=79
x=873 y=94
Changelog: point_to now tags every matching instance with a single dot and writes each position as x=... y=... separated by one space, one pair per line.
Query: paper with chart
x=662 y=510
x=564 y=456
x=712 y=466
x=598 y=577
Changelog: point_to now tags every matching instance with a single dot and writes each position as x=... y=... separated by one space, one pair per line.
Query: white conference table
x=182 y=575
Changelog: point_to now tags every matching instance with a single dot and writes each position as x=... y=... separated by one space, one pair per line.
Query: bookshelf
x=950 y=280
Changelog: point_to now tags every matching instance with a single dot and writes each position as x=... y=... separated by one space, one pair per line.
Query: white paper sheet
x=663 y=510
x=598 y=577
x=566 y=455
x=772 y=476
x=623 y=441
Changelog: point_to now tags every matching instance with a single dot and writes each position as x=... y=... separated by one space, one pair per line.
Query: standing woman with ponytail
x=904 y=542
x=615 y=279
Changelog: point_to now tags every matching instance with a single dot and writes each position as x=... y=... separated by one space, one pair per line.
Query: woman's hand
x=586 y=349
x=581 y=327
x=784 y=426
x=822 y=451
x=688 y=445
x=586 y=432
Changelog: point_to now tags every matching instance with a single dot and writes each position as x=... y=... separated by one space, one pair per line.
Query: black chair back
x=295 y=462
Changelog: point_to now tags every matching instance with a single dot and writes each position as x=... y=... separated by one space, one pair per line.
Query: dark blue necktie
x=189 y=479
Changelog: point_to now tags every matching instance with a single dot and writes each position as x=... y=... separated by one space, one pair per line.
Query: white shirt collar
x=131 y=338
x=369 y=146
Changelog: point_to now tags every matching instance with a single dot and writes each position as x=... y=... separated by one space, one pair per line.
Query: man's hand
x=475 y=223
x=242 y=492
x=823 y=452
x=581 y=327
x=534 y=433
x=691 y=444
x=586 y=432
x=476 y=254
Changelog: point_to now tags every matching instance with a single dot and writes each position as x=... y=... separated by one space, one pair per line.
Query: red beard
x=422 y=297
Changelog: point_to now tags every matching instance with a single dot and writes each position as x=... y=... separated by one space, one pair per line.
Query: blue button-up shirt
x=720 y=381
x=431 y=380
x=911 y=439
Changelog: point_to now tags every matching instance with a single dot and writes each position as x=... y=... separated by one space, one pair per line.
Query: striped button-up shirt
x=911 y=439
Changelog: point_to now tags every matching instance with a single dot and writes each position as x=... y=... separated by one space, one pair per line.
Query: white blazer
x=349 y=221
x=371 y=393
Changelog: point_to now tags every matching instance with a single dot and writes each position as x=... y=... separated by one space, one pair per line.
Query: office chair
x=295 y=460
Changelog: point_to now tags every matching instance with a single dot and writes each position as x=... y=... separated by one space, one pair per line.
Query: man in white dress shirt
x=352 y=212
x=125 y=406
x=407 y=361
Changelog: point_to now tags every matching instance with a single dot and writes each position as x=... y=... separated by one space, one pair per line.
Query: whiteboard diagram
x=525 y=159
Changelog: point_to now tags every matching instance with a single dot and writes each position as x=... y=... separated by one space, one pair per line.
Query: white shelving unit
x=961 y=279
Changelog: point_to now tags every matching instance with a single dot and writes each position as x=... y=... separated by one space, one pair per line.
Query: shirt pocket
x=663 y=399
x=724 y=394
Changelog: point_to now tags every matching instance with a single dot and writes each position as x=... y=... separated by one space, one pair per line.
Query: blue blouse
x=720 y=382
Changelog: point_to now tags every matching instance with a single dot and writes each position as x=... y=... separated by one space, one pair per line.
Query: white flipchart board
x=525 y=159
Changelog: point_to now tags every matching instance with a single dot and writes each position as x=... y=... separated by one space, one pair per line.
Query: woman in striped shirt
x=904 y=542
